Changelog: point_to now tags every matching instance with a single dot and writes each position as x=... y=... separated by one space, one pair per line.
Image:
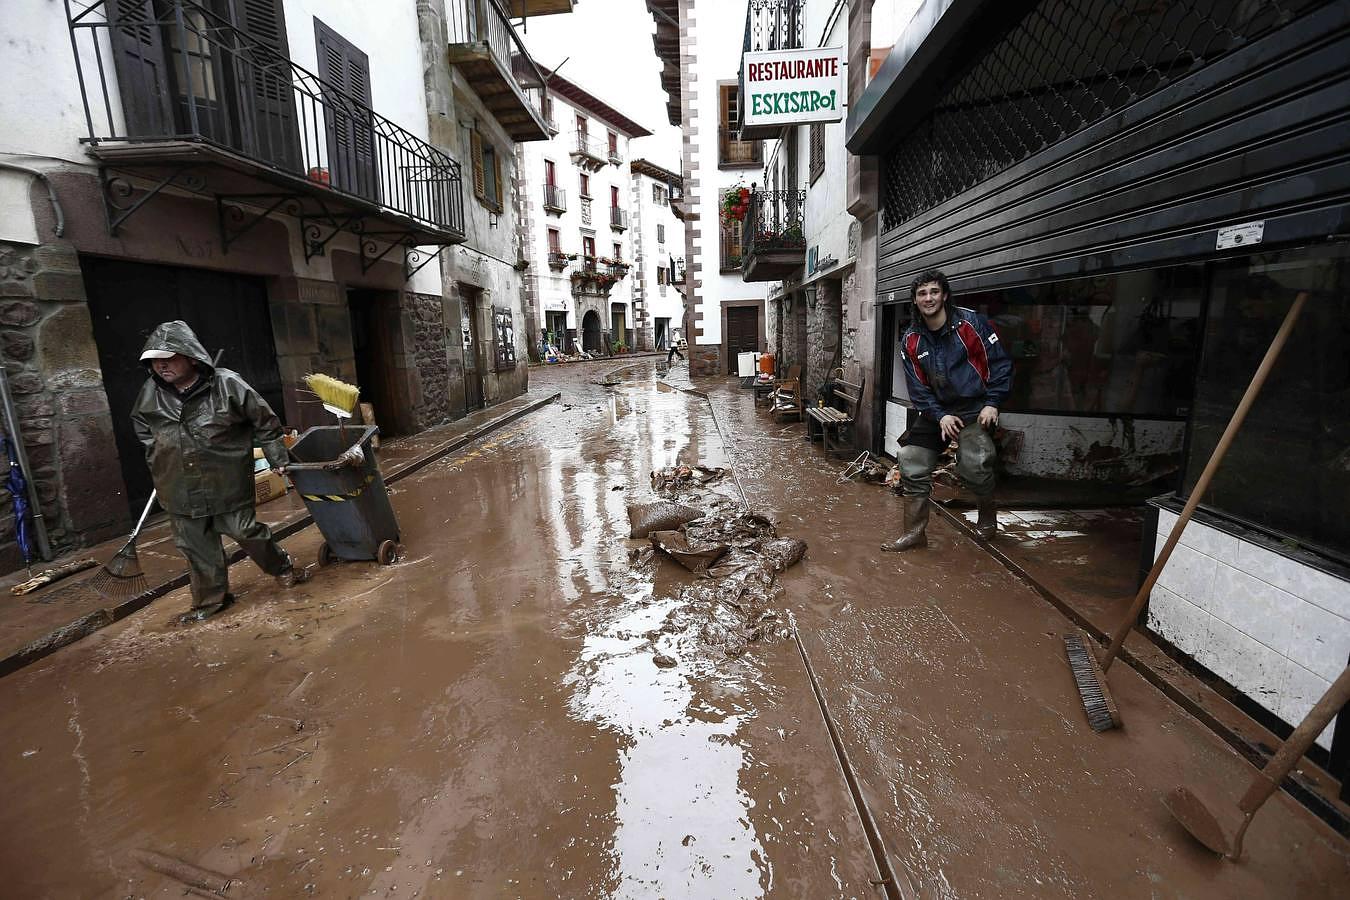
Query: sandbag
x=664 y=515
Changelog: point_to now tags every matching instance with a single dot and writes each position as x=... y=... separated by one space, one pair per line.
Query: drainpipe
x=60 y=228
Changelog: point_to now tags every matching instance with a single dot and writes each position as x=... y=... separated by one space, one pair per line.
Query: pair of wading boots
x=916 y=523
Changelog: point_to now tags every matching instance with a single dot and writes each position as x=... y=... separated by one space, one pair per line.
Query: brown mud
x=524 y=707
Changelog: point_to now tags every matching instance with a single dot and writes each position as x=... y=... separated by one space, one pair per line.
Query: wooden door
x=473 y=368
x=742 y=332
x=127 y=300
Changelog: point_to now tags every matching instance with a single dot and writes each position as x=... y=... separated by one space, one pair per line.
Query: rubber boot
x=291 y=576
x=916 y=526
x=202 y=613
x=987 y=522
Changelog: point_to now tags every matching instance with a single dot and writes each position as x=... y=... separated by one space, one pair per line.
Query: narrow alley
x=527 y=706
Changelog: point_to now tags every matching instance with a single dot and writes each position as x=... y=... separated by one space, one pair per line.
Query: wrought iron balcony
x=772 y=235
x=176 y=95
x=733 y=153
x=555 y=198
x=587 y=152
x=618 y=218
x=769 y=25
x=485 y=47
x=557 y=260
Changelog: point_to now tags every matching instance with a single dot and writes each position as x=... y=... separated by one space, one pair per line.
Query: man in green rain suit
x=198 y=425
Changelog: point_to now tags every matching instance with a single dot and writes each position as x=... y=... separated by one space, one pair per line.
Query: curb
x=102 y=618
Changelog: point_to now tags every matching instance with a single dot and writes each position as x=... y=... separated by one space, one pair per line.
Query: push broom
x=1088 y=672
x=338 y=397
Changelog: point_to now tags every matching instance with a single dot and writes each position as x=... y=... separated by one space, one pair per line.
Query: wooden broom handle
x=1268 y=779
x=1202 y=485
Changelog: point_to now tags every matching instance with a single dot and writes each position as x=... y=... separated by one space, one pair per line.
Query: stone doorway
x=591 y=333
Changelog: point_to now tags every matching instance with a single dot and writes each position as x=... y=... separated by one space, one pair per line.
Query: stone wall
x=793 y=338
x=430 y=338
x=312 y=329
x=48 y=350
x=822 y=337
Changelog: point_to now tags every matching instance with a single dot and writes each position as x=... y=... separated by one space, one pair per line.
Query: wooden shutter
x=142 y=69
x=476 y=154
x=267 y=105
x=351 y=136
x=817 y=150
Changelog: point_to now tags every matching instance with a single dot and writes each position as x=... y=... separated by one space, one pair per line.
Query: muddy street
x=528 y=705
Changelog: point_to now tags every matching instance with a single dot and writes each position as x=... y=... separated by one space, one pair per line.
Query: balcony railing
x=618 y=218
x=507 y=68
x=613 y=156
x=558 y=260
x=732 y=151
x=587 y=151
x=769 y=25
x=773 y=235
x=184 y=74
x=555 y=198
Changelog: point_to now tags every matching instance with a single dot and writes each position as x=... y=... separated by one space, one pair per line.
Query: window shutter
x=817 y=150
x=660 y=233
x=476 y=154
x=271 y=131
x=351 y=137
x=140 y=62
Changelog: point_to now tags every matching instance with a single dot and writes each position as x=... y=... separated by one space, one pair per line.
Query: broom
x=338 y=397
x=1089 y=674
x=123 y=578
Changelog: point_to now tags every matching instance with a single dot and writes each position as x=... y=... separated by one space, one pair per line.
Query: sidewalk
x=40 y=623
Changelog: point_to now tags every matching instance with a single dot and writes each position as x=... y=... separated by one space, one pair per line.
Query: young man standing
x=958 y=376
x=198 y=425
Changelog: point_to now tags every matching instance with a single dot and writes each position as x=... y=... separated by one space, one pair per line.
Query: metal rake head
x=122 y=577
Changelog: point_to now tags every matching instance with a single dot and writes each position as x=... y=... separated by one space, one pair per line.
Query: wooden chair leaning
x=787 y=397
x=832 y=420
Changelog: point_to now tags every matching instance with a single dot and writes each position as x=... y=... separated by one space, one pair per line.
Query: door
x=468 y=329
x=618 y=324
x=742 y=332
x=662 y=329
x=127 y=300
x=591 y=337
x=376 y=340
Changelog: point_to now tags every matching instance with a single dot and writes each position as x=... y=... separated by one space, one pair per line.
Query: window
x=550 y=173
x=582 y=126
x=660 y=233
x=618 y=252
x=734 y=153
x=588 y=246
x=817 y=150
x=613 y=147
x=554 y=241
x=614 y=197
x=505 y=350
x=731 y=245
x=661 y=275
x=585 y=185
x=487 y=172
x=1287 y=464
x=659 y=195
x=546 y=108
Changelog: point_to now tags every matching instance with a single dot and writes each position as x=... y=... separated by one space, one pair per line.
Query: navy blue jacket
x=957 y=369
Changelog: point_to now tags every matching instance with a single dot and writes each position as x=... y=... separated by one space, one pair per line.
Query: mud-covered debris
x=663 y=661
x=681 y=478
x=695 y=556
x=664 y=515
x=783 y=553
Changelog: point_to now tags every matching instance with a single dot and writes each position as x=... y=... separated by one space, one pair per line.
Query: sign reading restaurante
x=789 y=87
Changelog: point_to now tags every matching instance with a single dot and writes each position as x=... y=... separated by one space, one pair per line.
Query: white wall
x=662 y=301
x=719 y=28
x=1275 y=629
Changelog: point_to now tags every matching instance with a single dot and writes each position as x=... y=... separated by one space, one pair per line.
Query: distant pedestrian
x=675 y=347
x=958 y=376
x=198 y=425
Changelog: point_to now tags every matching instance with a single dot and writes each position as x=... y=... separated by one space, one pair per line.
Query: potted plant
x=735 y=202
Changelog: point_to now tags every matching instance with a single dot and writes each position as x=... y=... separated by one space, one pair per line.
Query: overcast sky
x=610 y=45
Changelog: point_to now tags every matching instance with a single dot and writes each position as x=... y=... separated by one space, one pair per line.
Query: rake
x=122 y=577
x=1088 y=672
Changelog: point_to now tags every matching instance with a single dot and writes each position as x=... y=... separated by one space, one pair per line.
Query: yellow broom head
x=338 y=397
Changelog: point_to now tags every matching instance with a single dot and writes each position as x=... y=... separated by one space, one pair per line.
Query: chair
x=787 y=397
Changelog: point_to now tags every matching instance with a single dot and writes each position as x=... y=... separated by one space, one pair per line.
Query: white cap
x=157 y=354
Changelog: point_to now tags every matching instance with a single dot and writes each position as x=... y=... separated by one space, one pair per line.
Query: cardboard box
x=267 y=486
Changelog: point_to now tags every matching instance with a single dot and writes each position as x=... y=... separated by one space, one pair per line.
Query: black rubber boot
x=916 y=526
x=987 y=523
x=291 y=576
x=202 y=613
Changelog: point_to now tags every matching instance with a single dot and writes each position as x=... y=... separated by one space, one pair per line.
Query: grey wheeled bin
x=347 y=498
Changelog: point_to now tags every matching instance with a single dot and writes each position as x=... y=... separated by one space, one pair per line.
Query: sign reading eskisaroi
x=789 y=87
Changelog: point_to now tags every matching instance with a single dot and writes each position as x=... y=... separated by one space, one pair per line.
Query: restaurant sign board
x=793 y=87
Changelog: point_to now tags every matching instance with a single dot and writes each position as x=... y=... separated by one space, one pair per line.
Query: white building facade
x=577 y=223
x=658 y=256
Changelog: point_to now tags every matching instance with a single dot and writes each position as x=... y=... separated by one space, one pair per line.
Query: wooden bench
x=832 y=420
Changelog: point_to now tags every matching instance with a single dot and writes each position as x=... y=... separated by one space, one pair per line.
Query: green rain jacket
x=200 y=444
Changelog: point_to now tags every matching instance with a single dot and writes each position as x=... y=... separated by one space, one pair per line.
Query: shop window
x=505 y=353
x=1117 y=345
x=1288 y=469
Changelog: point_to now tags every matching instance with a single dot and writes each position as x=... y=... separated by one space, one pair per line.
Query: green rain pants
x=199 y=539
x=975 y=455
